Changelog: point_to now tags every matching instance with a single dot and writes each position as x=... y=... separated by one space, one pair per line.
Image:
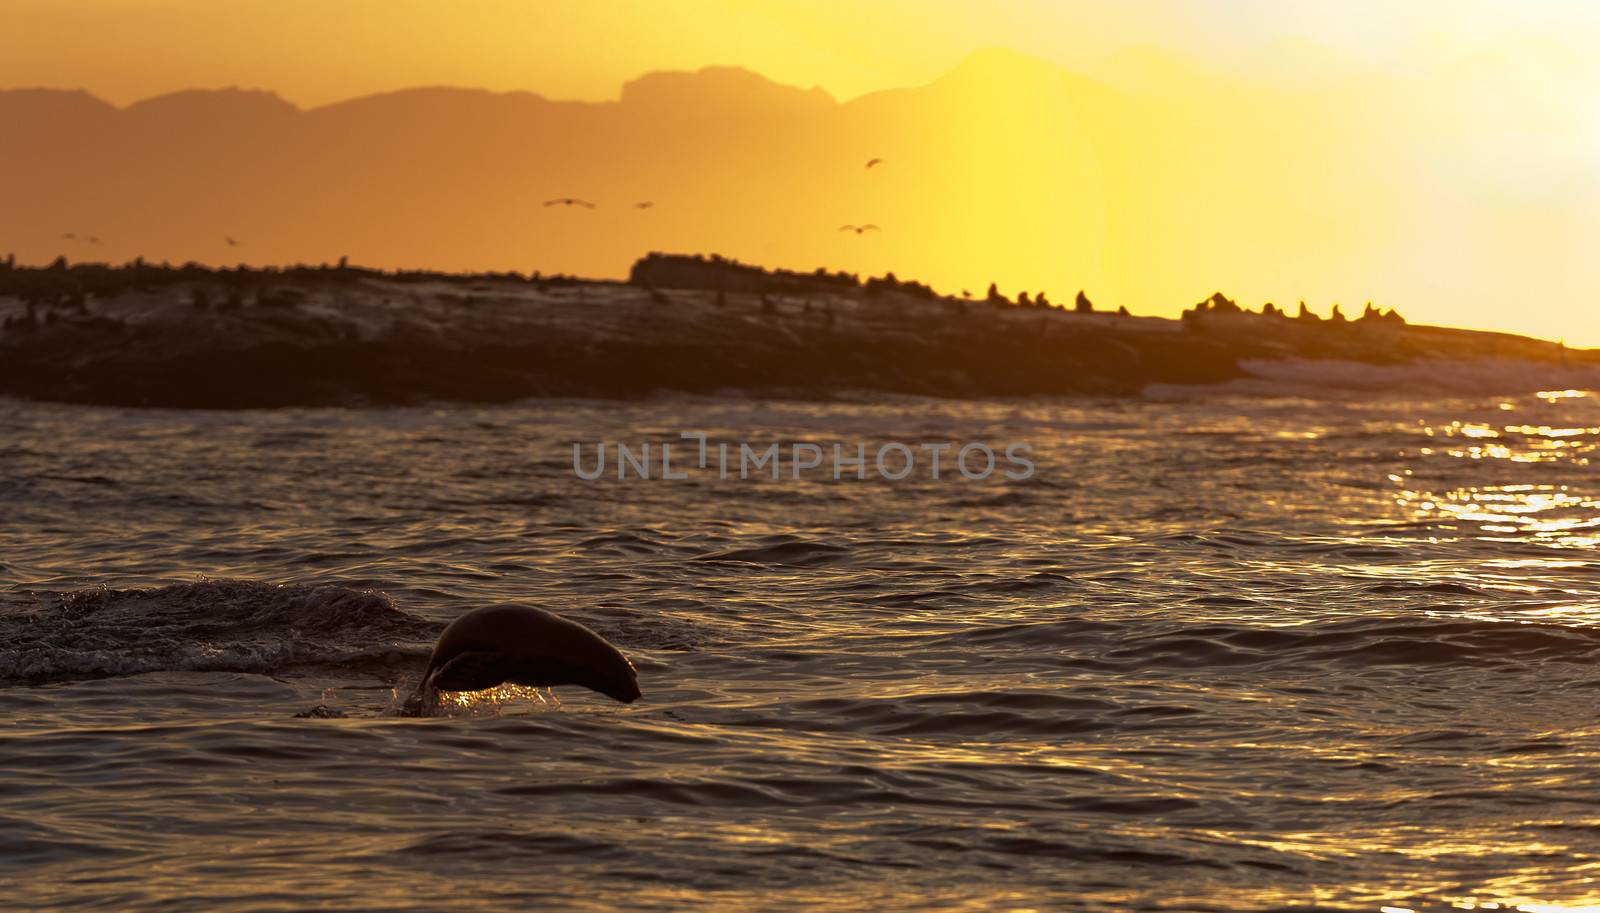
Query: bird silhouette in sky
x=69 y=236
x=874 y=162
x=231 y=242
x=92 y=239
x=569 y=201
x=645 y=204
x=858 y=229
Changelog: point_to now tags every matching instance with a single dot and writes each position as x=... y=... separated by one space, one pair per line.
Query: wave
x=788 y=553
x=1362 y=642
x=27 y=842
x=501 y=844
x=208 y=626
x=1312 y=378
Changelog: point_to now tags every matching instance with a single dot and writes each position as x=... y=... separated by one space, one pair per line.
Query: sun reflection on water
x=1556 y=507
x=494 y=701
x=1229 y=651
x=488 y=702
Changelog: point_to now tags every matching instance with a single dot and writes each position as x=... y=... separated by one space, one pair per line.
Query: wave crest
x=207 y=626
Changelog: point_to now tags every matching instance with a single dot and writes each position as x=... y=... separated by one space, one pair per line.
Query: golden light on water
x=1527 y=512
x=487 y=702
x=1547 y=513
x=1531 y=444
x=496 y=699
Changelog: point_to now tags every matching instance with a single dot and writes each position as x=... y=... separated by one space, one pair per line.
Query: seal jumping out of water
x=527 y=646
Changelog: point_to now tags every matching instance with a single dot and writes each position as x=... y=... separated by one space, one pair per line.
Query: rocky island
x=197 y=337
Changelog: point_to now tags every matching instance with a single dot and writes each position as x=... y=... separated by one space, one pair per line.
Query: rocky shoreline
x=192 y=337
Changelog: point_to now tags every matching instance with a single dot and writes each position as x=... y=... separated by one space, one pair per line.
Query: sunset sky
x=1440 y=157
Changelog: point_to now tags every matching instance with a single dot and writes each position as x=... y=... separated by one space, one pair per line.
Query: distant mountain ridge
x=1007 y=169
x=456 y=178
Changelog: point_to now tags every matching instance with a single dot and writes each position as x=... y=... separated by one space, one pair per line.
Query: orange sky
x=316 y=51
x=1438 y=155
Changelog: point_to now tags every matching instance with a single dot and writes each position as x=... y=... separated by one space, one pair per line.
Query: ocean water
x=1217 y=653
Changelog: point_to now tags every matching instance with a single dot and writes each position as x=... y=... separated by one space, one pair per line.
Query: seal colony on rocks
x=197 y=338
x=525 y=646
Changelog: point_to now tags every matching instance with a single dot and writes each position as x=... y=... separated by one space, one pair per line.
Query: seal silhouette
x=526 y=646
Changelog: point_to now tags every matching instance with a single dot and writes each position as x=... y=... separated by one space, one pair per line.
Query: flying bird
x=231 y=242
x=92 y=239
x=646 y=204
x=569 y=201
x=858 y=229
x=69 y=236
x=874 y=162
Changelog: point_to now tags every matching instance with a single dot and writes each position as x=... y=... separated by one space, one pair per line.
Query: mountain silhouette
x=454 y=178
x=721 y=92
x=1006 y=169
x=221 y=108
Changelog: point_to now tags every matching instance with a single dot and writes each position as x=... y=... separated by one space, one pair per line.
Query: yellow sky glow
x=1441 y=156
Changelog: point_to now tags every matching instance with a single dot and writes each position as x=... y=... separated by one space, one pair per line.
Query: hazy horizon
x=1439 y=164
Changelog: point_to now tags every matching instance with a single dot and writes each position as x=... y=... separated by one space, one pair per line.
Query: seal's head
x=620 y=683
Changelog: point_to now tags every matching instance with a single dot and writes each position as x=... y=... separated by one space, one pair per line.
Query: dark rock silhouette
x=328 y=336
x=1082 y=304
x=657 y=270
